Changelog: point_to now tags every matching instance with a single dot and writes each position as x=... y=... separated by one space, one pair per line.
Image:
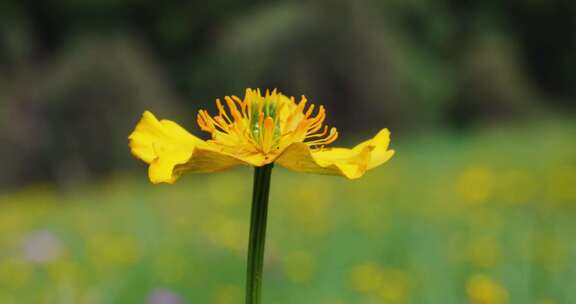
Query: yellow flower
x=259 y=130
x=482 y=289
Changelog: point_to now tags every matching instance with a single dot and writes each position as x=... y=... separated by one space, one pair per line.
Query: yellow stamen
x=266 y=124
x=268 y=134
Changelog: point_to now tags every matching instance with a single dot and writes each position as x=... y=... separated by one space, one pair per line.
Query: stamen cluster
x=266 y=123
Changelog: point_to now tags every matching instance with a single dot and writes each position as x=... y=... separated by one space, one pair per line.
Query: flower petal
x=351 y=163
x=170 y=150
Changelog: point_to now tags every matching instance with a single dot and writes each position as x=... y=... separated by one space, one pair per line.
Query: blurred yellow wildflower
x=11 y=220
x=366 y=277
x=258 y=130
x=482 y=289
x=476 y=184
x=387 y=285
x=227 y=295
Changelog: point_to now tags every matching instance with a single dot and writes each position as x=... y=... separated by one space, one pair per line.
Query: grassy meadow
x=486 y=217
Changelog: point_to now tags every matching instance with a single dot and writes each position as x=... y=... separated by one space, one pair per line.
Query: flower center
x=266 y=123
x=264 y=119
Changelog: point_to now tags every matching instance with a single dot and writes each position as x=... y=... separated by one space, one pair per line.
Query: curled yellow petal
x=351 y=163
x=170 y=150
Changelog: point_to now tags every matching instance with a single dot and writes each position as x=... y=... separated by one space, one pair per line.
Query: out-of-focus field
x=488 y=217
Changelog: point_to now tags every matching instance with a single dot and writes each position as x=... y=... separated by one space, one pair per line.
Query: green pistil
x=269 y=110
x=255 y=127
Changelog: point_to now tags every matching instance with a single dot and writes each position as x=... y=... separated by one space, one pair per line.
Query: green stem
x=257 y=233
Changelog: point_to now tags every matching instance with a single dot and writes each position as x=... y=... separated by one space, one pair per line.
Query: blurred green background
x=478 y=205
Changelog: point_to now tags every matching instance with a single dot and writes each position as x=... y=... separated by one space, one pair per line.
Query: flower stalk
x=257 y=240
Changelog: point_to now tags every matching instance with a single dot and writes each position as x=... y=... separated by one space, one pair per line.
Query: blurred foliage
x=77 y=70
x=486 y=219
